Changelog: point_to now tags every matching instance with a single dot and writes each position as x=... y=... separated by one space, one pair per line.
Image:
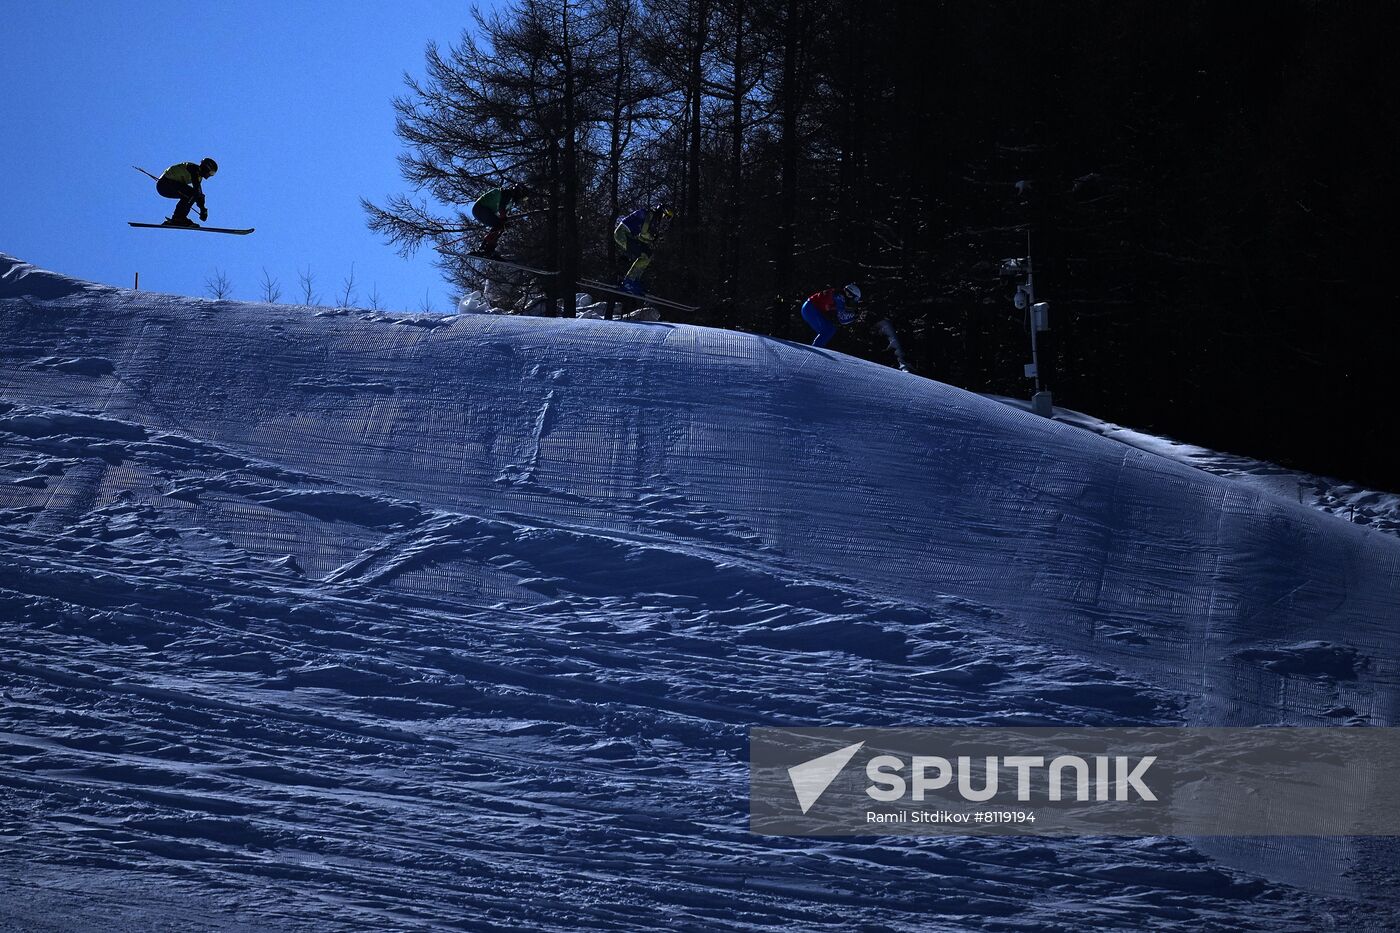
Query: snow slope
x=1355 y=504
x=327 y=620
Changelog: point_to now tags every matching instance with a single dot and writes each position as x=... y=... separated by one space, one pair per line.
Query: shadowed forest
x=1202 y=187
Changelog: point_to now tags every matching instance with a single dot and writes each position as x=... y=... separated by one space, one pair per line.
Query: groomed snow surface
x=316 y=620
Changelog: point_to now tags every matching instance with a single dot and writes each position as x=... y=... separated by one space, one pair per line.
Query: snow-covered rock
x=473 y=303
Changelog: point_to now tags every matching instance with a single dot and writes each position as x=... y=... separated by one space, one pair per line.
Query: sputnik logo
x=811 y=778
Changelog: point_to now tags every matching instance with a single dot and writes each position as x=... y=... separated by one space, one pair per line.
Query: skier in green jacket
x=181 y=182
x=490 y=210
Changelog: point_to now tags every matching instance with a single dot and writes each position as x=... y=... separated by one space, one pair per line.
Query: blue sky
x=292 y=98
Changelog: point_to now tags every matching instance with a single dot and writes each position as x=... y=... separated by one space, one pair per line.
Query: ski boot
x=179 y=222
x=633 y=287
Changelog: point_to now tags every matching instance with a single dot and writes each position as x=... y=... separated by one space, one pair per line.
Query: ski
x=205 y=229
x=513 y=264
x=593 y=285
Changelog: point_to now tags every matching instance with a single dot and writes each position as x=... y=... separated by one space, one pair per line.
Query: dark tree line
x=1204 y=187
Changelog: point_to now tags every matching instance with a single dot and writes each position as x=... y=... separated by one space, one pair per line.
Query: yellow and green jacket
x=186 y=173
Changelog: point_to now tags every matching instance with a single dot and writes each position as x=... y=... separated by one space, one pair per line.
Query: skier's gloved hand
x=203 y=212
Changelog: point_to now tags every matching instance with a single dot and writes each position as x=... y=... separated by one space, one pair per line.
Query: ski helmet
x=208 y=166
x=852 y=292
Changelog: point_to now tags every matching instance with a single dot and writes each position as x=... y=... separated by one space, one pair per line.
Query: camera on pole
x=1021 y=270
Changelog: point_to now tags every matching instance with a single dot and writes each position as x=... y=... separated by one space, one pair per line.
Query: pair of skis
x=193 y=227
x=593 y=285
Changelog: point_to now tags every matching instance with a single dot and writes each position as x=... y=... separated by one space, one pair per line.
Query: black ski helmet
x=208 y=166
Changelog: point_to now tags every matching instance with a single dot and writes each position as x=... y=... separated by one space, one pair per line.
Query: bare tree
x=347 y=291
x=426 y=305
x=740 y=86
x=217 y=284
x=308 y=285
x=271 y=288
x=376 y=303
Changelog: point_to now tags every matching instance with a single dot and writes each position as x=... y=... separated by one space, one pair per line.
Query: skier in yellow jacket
x=181 y=182
x=637 y=234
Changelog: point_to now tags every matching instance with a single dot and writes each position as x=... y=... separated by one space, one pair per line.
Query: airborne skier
x=637 y=234
x=181 y=182
x=491 y=211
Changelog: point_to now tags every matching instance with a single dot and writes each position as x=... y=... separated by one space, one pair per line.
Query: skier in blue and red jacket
x=829 y=308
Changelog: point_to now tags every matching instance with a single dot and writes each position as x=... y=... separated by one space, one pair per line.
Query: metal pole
x=136 y=286
x=1030 y=310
